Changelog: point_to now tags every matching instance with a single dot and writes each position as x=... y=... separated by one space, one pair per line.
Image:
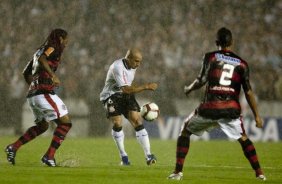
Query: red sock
x=250 y=153
x=183 y=144
x=29 y=135
x=58 y=137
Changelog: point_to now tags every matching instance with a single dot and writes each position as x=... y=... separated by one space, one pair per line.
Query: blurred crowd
x=173 y=36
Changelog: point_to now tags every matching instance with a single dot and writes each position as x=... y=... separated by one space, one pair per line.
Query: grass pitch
x=96 y=161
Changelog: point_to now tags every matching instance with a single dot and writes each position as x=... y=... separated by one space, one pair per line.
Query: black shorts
x=121 y=104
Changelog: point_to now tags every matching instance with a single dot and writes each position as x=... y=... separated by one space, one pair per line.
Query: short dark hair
x=223 y=37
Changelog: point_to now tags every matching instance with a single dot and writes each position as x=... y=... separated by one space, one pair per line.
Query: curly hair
x=54 y=38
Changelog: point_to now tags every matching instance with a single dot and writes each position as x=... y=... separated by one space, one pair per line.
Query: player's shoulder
x=209 y=56
x=117 y=64
x=49 y=50
x=46 y=50
x=242 y=61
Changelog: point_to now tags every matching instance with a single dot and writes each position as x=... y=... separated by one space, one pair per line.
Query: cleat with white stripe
x=261 y=177
x=49 y=162
x=175 y=176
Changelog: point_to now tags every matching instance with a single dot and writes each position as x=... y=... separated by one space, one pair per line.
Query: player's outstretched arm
x=195 y=85
x=250 y=97
x=139 y=88
x=200 y=80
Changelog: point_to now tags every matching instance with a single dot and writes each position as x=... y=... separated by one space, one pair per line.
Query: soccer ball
x=150 y=111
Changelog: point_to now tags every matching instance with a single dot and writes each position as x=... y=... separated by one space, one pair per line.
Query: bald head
x=133 y=53
x=133 y=57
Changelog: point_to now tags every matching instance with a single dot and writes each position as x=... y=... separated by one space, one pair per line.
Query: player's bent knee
x=243 y=138
x=69 y=124
x=185 y=133
x=65 y=119
x=43 y=126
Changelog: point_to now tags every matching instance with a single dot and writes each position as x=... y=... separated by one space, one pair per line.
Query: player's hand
x=187 y=90
x=259 y=122
x=152 y=86
x=56 y=81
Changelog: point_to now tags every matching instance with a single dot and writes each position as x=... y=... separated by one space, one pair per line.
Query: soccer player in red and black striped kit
x=46 y=106
x=224 y=73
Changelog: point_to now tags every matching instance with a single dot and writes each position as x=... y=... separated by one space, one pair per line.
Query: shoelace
x=11 y=155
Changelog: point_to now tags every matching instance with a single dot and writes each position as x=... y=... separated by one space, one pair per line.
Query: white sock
x=119 y=140
x=143 y=138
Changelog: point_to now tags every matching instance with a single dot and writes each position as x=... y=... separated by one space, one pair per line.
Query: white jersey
x=118 y=75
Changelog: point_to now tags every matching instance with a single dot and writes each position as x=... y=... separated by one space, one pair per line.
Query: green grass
x=96 y=161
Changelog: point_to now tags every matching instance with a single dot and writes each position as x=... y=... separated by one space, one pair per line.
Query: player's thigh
x=197 y=124
x=38 y=113
x=131 y=108
x=233 y=128
x=135 y=118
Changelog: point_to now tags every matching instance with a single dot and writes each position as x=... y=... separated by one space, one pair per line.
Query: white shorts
x=47 y=107
x=197 y=124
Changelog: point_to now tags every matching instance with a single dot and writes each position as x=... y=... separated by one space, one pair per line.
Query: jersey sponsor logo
x=222 y=88
x=49 y=51
x=227 y=59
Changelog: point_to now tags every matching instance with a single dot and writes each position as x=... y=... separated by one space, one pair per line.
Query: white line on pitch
x=227 y=166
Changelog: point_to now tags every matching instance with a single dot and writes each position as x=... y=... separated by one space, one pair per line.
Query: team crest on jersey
x=111 y=108
x=64 y=107
x=110 y=101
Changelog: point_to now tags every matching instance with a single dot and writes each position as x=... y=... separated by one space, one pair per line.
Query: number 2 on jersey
x=226 y=75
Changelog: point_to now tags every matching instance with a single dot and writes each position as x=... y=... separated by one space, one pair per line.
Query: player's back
x=225 y=72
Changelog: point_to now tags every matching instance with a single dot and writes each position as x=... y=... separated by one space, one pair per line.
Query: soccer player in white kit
x=118 y=99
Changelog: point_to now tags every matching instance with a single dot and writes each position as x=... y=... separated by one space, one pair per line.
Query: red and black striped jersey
x=224 y=73
x=41 y=80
